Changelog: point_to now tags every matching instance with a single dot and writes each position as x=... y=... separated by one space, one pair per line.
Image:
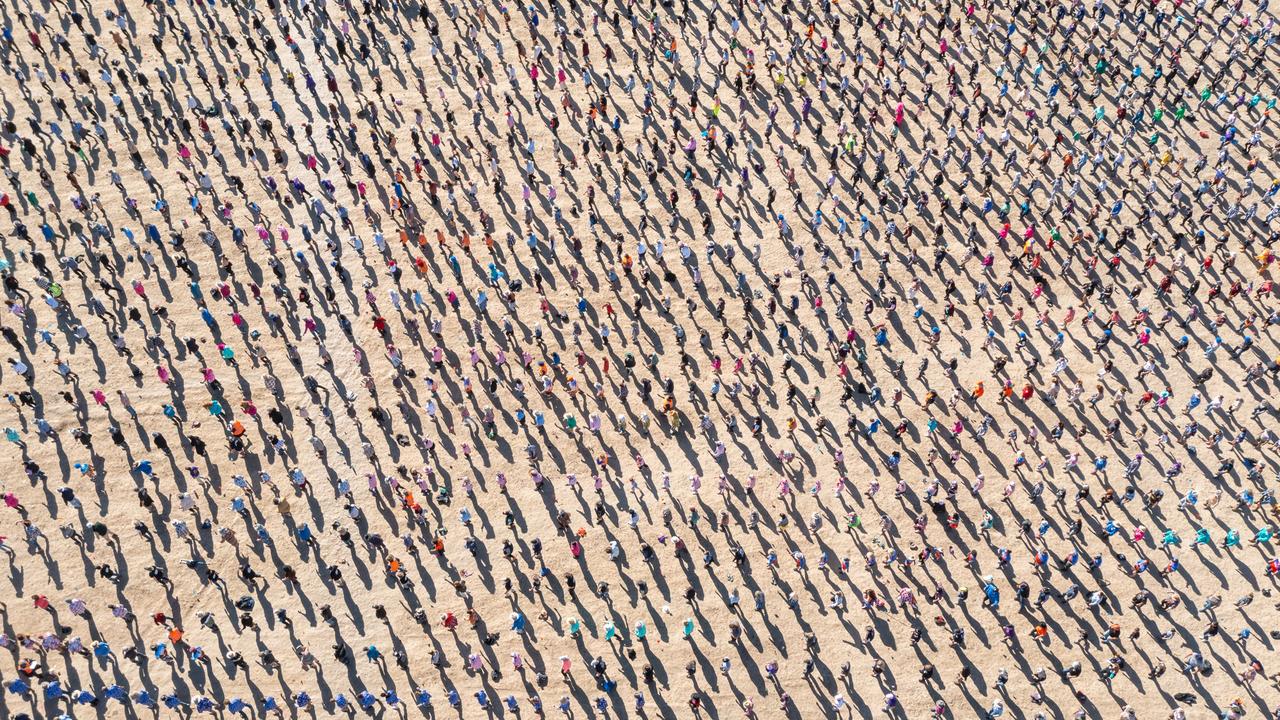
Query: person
x=534 y=195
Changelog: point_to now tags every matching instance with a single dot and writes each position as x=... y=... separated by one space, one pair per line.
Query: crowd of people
x=713 y=320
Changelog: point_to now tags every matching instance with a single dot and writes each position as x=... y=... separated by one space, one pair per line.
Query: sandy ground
x=435 y=395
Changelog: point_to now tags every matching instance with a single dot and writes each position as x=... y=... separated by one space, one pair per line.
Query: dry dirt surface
x=627 y=360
